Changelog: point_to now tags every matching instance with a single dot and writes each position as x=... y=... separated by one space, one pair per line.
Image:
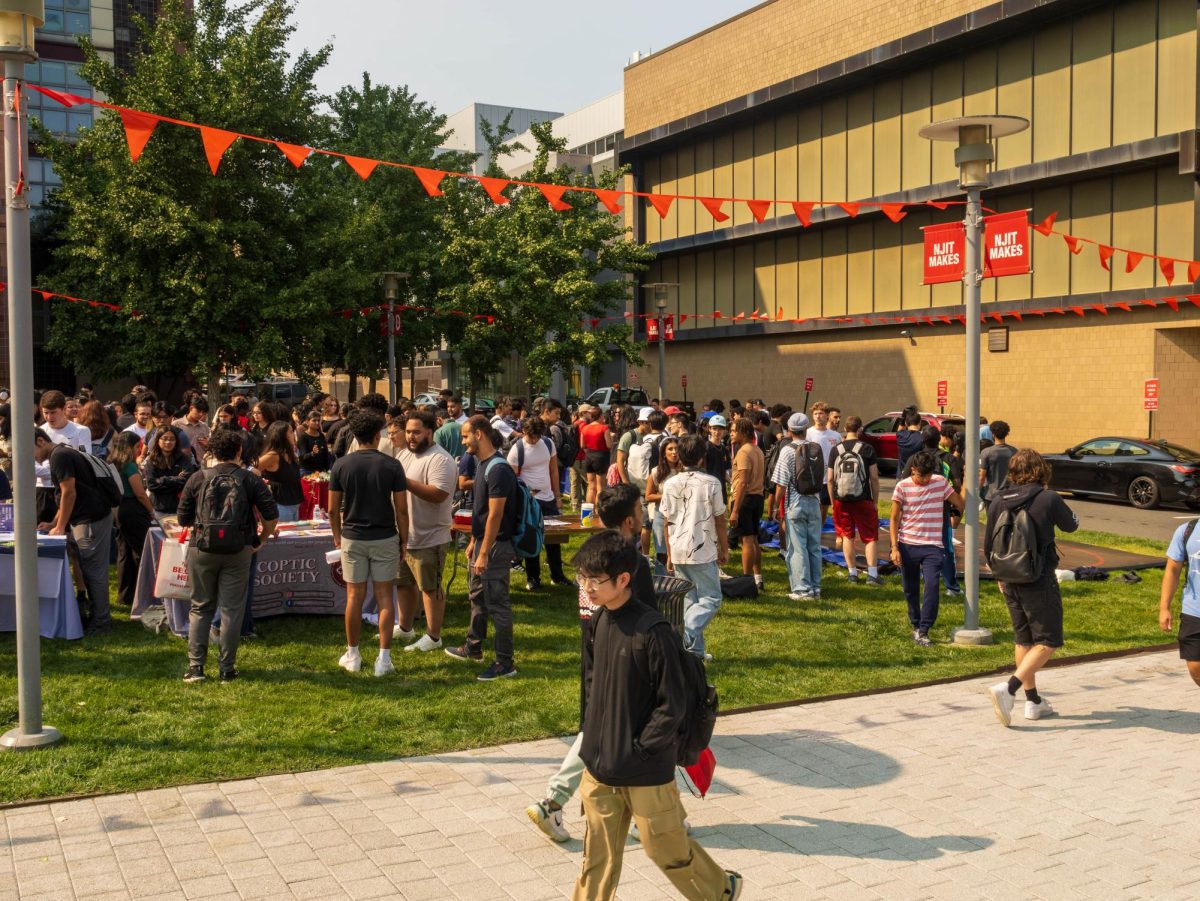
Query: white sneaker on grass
x=1002 y=701
x=1037 y=711
x=403 y=634
x=351 y=661
x=424 y=643
x=549 y=821
x=384 y=666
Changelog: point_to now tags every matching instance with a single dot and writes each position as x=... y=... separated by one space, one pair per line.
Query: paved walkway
x=918 y=794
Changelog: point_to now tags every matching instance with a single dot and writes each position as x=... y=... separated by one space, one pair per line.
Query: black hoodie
x=1047 y=510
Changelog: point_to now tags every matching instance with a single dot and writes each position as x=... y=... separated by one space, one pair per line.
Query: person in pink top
x=916 y=533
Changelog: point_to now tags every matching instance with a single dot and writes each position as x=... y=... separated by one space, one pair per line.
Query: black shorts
x=1036 y=611
x=596 y=463
x=749 y=516
x=1189 y=637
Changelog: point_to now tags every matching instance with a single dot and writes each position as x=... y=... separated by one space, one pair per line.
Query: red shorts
x=862 y=516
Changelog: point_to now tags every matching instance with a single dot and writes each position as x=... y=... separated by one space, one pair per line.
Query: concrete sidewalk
x=917 y=794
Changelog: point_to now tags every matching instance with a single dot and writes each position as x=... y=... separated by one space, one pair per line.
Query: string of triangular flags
x=54 y=295
x=380 y=308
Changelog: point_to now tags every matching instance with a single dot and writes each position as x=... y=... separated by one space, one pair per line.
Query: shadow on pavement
x=837 y=838
x=1179 y=722
x=807 y=758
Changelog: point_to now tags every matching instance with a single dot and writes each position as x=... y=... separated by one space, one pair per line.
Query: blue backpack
x=530 y=531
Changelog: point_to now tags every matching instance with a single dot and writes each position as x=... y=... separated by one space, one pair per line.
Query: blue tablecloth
x=58 y=613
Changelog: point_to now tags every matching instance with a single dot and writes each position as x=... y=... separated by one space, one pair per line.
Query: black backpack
x=108 y=480
x=696 y=730
x=222 y=511
x=772 y=459
x=809 y=474
x=1016 y=556
x=564 y=443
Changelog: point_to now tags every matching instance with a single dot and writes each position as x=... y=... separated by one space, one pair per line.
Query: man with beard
x=430 y=472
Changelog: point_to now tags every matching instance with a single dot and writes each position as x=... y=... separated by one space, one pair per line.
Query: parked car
x=426 y=399
x=1144 y=473
x=287 y=392
x=880 y=433
x=606 y=397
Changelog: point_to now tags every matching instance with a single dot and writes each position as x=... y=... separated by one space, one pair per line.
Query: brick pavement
x=918 y=794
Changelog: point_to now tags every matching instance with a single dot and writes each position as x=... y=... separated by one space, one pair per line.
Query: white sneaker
x=424 y=643
x=1037 y=711
x=549 y=821
x=797 y=596
x=1003 y=702
x=351 y=661
x=403 y=634
x=384 y=666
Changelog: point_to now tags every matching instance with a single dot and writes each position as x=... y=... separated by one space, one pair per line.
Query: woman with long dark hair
x=134 y=515
x=280 y=466
x=668 y=465
x=166 y=469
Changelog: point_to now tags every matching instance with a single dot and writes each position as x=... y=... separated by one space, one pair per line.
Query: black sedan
x=1144 y=473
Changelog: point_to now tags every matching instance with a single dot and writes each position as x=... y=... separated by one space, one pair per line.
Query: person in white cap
x=798 y=477
x=630 y=439
x=641 y=459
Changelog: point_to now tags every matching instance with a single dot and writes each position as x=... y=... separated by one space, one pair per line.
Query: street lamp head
x=391 y=280
x=974 y=135
x=18 y=21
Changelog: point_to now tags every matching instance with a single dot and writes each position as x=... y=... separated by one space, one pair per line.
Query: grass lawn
x=131 y=723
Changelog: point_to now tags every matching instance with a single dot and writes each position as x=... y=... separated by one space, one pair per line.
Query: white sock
x=385 y=653
x=873 y=571
x=352 y=650
x=851 y=571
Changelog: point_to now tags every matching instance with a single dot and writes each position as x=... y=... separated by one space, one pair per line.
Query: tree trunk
x=474 y=387
x=214 y=388
x=352 y=390
x=412 y=377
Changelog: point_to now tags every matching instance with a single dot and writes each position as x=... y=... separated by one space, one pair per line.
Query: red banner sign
x=943 y=392
x=1006 y=244
x=808 y=383
x=683 y=380
x=1150 y=395
x=945 y=249
x=652 y=329
x=397 y=324
x=669 y=328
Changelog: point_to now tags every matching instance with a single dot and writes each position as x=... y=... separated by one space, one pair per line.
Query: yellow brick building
x=822 y=100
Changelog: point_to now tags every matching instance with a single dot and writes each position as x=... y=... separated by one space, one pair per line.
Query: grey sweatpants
x=218 y=580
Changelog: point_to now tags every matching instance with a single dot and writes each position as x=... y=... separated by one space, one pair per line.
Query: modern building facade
x=466 y=127
x=822 y=100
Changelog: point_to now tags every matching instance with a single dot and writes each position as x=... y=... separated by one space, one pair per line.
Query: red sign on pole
x=397 y=324
x=943 y=392
x=945 y=249
x=1150 y=395
x=1006 y=244
x=808 y=383
x=683 y=381
x=669 y=327
x=652 y=329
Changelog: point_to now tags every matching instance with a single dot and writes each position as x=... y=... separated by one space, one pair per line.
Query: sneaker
x=399 y=634
x=351 y=661
x=708 y=658
x=194 y=674
x=1002 y=701
x=877 y=581
x=563 y=581
x=733 y=890
x=853 y=578
x=797 y=596
x=532 y=586
x=549 y=821
x=497 y=671
x=915 y=633
x=954 y=592
x=424 y=643
x=228 y=676
x=463 y=652
x=384 y=666
x=98 y=629
x=922 y=640
x=1037 y=711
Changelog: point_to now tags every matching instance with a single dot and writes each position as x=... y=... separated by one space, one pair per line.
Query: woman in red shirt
x=596 y=441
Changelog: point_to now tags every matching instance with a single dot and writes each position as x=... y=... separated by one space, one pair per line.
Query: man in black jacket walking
x=635 y=707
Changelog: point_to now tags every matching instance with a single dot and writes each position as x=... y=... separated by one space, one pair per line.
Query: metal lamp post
x=660 y=302
x=18 y=20
x=391 y=290
x=974 y=157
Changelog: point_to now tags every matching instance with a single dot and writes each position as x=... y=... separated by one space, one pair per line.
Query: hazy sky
x=542 y=54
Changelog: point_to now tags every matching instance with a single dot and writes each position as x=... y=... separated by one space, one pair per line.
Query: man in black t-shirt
x=368 y=512
x=84 y=516
x=490 y=553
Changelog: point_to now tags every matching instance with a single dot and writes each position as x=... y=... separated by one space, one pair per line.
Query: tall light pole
x=391 y=289
x=660 y=302
x=18 y=20
x=974 y=157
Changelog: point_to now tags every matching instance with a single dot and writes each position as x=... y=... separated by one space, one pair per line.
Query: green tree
x=207 y=270
x=543 y=275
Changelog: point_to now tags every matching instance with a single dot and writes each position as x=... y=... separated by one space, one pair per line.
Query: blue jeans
x=703 y=601
x=657 y=524
x=803 y=552
x=949 y=564
x=921 y=562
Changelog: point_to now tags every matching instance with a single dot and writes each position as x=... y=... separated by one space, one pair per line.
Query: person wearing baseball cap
x=672 y=410
x=801 y=509
x=717 y=461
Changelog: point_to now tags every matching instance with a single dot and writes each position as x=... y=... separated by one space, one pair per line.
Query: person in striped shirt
x=916 y=534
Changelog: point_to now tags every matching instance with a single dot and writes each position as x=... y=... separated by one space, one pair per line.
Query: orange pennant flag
x=1106 y=254
x=67 y=100
x=495 y=188
x=938 y=204
x=850 y=208
x=610 y=199
x=713 y=205
x=294 y=152
x=759 y=209
x=1166 y=266
x=1172 y=302
x=1100 y=308
x=554 y=196
x=1123 y=306
x=1046 y=225
x=894 y=211
x=430 y=180
x=803 y=210
x=216 y=142
x=138 y=129
x=1132 y=258
x=361 y=165
x=661 y=203
x=779 y=314
x=1193 y=271
x=1073 y=243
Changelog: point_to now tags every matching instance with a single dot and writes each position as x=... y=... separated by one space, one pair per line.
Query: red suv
x=881 y=434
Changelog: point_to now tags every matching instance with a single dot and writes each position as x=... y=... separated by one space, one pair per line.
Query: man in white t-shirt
x=820 y=433
x=430 y=473
x=61 y=430
x=141 y=419
x=535 y=461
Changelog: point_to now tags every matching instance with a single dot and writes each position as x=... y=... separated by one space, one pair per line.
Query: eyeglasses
x=592 y=584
